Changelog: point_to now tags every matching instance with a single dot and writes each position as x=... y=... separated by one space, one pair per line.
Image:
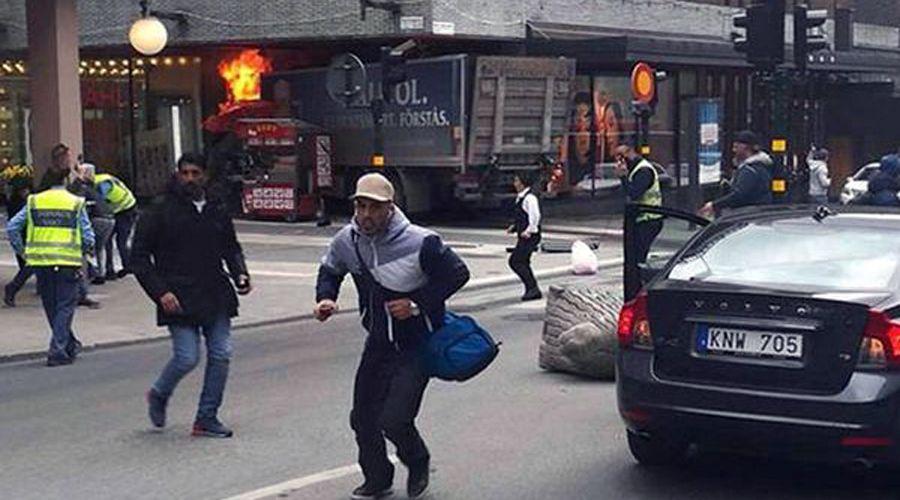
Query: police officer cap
x=747 y=137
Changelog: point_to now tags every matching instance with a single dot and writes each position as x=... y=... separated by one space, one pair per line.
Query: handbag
x=458 y=350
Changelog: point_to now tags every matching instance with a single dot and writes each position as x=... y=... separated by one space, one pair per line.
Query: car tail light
x=880 y=347
x=634 y=324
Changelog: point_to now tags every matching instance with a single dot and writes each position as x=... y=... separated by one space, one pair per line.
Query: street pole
x=131 y=125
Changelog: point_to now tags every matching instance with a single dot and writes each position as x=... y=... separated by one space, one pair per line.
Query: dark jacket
x=752 y=184
x=412 y=262
x=178 y=250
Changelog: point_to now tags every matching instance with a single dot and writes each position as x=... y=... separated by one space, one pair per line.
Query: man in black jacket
x=403 y=274
x=178 y=251
x=752 y=184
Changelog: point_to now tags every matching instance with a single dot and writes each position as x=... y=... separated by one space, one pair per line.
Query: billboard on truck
x=423 y=122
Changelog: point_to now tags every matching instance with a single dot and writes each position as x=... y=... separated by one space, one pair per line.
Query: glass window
x=844 y=253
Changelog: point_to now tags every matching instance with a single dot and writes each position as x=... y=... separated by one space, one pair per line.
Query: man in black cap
x=752 y=181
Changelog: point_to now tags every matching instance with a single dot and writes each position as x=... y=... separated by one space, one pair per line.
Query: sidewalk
x=283 y=292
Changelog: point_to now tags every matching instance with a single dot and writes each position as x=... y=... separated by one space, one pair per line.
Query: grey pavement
x=514 y=432
x=283 y=260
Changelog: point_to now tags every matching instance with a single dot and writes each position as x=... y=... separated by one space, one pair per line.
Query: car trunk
x=754 y=339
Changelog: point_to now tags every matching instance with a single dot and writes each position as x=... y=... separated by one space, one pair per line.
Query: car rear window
x=840 y=253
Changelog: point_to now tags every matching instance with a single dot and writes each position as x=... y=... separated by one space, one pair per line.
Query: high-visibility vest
x=652 y=196
x=53 y=235
x=120 y=198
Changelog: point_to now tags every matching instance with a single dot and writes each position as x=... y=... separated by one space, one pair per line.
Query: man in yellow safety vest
x=122 y=202
x=57 y=234
x=641 y=182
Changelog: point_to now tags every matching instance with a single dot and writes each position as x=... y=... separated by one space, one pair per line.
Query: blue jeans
x=58 y=287
x=186 y=355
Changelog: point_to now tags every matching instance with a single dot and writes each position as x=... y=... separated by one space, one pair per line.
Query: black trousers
x=646 y=233
x=387 y=396
x=520 y=260
x=18 y=281
x=120 y=234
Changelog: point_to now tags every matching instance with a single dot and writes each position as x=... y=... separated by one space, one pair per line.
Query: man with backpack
x=404 y=275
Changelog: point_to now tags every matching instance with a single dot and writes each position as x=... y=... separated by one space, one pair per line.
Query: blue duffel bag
x=459 y=350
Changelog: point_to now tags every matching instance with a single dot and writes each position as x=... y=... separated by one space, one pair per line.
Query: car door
x=678 y=228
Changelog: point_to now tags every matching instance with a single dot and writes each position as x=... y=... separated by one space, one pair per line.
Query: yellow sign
x=779 y=145
x=378 y=160
x=779 y=185
x=645 y=150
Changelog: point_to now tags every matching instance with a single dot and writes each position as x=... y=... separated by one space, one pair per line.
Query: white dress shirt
x=532 y=207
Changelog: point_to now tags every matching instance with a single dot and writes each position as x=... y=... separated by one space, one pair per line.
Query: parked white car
x=858 y=183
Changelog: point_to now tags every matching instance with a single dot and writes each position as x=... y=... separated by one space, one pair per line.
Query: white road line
x=301 y=482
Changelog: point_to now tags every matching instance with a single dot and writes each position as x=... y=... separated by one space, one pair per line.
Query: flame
x=242 y=77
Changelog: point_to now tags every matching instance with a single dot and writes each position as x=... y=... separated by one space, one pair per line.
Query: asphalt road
x=515 y=432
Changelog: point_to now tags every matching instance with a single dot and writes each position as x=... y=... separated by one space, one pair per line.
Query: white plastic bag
x=584 y=260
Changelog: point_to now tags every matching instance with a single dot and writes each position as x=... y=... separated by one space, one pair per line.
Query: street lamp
x=148 y=35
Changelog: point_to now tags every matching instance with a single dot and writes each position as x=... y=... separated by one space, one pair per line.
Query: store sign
x=324 y=175
x=269 y=199
x=709 y=148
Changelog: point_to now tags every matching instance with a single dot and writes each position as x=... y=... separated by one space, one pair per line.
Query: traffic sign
x=346 y=79
x=643 y=83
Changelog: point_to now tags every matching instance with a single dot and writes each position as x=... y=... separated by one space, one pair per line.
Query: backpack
x=459 y=350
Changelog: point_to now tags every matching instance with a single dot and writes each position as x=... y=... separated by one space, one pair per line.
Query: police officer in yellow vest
x=122 y=202
x=57 y=235
x=641 y=182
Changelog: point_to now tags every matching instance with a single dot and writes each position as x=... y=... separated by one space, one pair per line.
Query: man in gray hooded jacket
x=752 y=184
x=403 y=274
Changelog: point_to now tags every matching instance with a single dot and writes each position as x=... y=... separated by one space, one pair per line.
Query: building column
x=54 y=83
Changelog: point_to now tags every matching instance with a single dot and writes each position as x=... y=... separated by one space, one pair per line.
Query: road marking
x=302 y=482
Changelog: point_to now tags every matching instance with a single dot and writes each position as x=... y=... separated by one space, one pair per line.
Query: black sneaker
x=211 y=428
x=111 y=276
x=98 y=280
x=89 y=303
x=417 y=483
x=74 y=348
x=59 y=361
x=371 y=491
x=156 y=408
x=533 y=294
x=122 y=273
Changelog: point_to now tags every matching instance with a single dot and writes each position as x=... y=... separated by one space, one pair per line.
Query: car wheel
x=656 y=450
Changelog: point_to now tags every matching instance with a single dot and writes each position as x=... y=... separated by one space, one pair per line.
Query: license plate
x=721 y=340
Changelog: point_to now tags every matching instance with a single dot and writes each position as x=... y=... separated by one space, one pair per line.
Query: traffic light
x=393 y=70
x=762 y=39
x=809 y=36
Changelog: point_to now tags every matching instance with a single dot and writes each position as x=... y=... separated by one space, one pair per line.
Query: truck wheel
x=656 y=450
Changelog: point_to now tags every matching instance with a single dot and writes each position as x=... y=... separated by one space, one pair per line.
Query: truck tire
x=656 y=450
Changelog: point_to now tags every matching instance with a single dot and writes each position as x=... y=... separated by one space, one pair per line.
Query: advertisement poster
x=709 y=147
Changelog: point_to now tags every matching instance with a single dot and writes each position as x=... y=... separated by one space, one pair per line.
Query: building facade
x=170 y=95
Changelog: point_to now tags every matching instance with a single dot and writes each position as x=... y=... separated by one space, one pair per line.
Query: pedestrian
x=819 y=180
x=123 y=204
x=640 y=181
x=57 y=235
x=18 y=196
x=102 y=219
x=752 y=180
x=179 y=250
x=884 y=185
x=404 y=275
x=527 y=228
